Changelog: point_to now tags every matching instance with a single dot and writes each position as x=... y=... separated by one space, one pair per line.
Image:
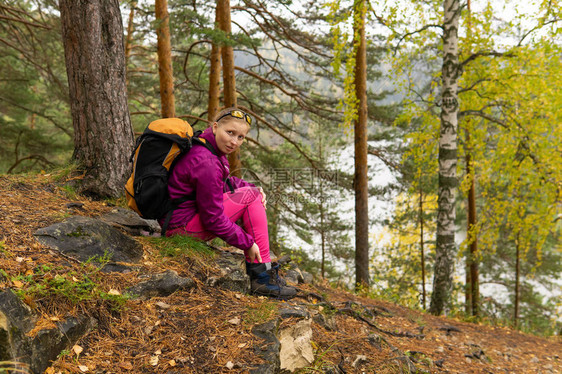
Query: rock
x=449 y=329
x=360 y=359
x=328 y=322
x=375 y=340
x=296 y=276
x=307 y=278
x=292 y=276
x=37 y=352
x=48 y=344
x=163 y=284
x=269 y=349
x=232 y=275
x=131 y=222
x=85 y=238
x=535 y=360
x=477 y=353
x=293 y=311
x=296 y=348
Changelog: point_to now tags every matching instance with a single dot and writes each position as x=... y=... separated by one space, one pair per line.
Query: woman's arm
x=207 y=179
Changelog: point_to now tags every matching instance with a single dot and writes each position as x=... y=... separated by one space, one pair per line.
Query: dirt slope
x=208 y=330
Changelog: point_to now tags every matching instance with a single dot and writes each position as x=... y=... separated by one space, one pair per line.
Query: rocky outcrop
x=88 y=239
x=286 y=346
x=268 y=350
x=35 y=352
x=163 y=284
x=232 y=272
x=131 y=222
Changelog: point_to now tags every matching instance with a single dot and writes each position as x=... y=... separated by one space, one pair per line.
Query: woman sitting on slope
x=216 y=208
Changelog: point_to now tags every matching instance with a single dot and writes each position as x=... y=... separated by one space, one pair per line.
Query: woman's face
x=229 y=134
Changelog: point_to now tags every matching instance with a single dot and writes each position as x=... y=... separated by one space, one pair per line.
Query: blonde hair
x=226 y=111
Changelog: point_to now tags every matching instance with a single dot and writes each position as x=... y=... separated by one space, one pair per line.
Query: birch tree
x=445 y=251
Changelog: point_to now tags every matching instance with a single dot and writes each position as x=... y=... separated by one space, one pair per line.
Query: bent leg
x=246 y=203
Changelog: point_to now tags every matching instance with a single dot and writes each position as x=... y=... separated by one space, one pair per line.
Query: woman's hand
x=254 y=253
x=263 y=199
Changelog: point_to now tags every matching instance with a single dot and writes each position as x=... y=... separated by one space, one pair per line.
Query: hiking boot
x=268 y=282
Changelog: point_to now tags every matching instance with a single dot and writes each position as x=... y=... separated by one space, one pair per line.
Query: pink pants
x=244 y=203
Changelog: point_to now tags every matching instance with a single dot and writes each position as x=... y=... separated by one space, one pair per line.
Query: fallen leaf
x=29 y=272
x=126 y=365
x=114 y=292
x=19 y=259
x=83 y=368
x=234 y=321
x=77 y=349
x=172 y=363
x=158 y=352
x=74 y=279
x=229 y=365
x=54 y=319
x=242 y=345
x=17 y=283
x=50 y=370
x=162 y=305
x=153 y=360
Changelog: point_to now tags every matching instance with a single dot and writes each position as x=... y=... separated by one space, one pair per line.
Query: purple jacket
x=202 y=172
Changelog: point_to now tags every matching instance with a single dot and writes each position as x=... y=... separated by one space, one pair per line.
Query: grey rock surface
x=131 y=222
x=85 y=238
x=269 y=348
x=163 y=284
x=232 y=267
x=36 y=352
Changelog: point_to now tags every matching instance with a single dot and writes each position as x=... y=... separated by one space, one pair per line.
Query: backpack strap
x=177 y=202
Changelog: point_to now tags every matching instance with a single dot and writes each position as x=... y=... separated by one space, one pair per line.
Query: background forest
x=294 y=71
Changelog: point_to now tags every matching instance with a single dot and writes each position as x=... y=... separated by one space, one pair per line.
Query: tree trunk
x=214 y=75
x=422 y=253
x=474 y=277
x=92 y=34
x=228 y=79
x=165 y=69
x=473 y=255
x=517 y=276
x=322 y=228
x=445 y=243
x=361 y=178
x=129 y=40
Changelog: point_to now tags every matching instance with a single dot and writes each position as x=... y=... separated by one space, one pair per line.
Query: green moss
x=181 y=245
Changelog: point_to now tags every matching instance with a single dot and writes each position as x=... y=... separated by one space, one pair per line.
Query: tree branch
x=474 y=56
x=24 y=22
x=414 y=32
x=57 y=125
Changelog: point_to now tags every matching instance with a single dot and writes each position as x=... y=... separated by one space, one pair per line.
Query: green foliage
x=76 y=287
x=182 y=245
x=344 y=55
x=260 y=313
x=36 y=132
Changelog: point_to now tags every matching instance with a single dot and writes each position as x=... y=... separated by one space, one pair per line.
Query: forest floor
x=208 y=330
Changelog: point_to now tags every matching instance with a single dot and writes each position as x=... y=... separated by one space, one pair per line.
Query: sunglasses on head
x=237 y=114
